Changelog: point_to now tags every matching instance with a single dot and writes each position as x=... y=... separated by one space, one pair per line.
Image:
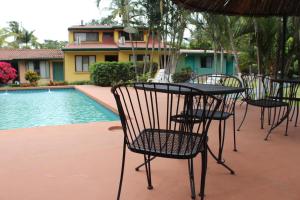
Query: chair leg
x=203 y=173
x=191 y=177
x=141 y=165
x=221 y=140
x=269 y=116
x=234 y=133
x=272 y=124
x=122 y=170
x=148 y=171
x=287 y=120
x=297 y=113
x=293 y=106
x=243 y=117
x=262 y=117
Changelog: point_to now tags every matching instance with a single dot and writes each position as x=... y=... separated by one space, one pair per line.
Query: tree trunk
x=215 y=59
x=233 y=47
x=257 y=46
x=222 y=60
x=146 y=52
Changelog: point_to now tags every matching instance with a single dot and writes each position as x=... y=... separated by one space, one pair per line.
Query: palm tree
x=214 y=29
x=14 y=30
x=21 y=36
x=26 y=37
x=292 y=50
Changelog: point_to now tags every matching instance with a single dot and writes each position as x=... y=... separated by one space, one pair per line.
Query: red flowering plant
x=7 y=72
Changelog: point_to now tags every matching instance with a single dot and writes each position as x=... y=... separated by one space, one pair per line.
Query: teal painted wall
x=194 y=62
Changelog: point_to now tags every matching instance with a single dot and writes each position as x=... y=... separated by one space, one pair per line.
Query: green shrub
x=144 y=77
x=182 y=76
x=110 y=73
x=32 y=77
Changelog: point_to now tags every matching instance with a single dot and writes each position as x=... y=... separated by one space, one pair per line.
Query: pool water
x=31 y=108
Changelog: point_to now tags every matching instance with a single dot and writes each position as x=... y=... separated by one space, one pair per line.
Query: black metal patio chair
x=266 y=94
x=295 y=105
x=227 y=108
x=290 y=94
x=157 y=121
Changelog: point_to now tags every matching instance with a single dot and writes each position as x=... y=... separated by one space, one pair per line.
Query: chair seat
x=269 y=103
x=218 y=115
x=197 y=116
x=169 y=144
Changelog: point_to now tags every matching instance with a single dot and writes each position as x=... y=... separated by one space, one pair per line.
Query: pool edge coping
x=106 y=105
x=37 y=88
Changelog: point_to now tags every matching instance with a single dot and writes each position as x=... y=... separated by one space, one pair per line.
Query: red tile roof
x=24 y=54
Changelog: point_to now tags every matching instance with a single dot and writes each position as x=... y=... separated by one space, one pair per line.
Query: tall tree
x=22 y=38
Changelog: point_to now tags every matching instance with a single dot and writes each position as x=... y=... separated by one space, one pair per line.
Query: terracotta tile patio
x=82 y=162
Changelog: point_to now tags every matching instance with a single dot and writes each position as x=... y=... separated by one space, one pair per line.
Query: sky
x=50 y=19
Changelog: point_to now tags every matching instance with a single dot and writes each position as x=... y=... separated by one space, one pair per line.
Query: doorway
x=58 y=71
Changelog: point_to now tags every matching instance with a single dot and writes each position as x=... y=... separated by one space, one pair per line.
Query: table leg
x=219 y=158
x=220 y=162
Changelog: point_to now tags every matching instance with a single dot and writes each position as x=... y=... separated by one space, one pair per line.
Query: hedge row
x=110 y=73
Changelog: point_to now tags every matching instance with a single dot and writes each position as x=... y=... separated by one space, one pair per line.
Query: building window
x=83 y=62
x=135 y=37
x=108 y=37
x=206 y=62
x=42 y=68
x=111 y=58
x=30 y=66
x=139 y=58
x=86 y=37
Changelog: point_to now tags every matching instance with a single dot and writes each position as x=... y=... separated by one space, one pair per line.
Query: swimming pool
x=31 y=108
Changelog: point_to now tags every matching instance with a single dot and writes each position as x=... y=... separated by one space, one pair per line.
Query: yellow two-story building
x=102 y=43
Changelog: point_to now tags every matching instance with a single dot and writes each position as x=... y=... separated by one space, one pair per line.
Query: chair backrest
x=285 y=90
x=228 y=100
x=261 y=87
x=254 y=87
x=163 y=108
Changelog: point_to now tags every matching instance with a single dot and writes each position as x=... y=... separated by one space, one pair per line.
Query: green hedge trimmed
x=110 y=73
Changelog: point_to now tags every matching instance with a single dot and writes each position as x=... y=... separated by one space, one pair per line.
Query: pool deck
x=82 y=162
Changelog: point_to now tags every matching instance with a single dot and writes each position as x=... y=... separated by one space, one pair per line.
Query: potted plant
x=32 y=77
